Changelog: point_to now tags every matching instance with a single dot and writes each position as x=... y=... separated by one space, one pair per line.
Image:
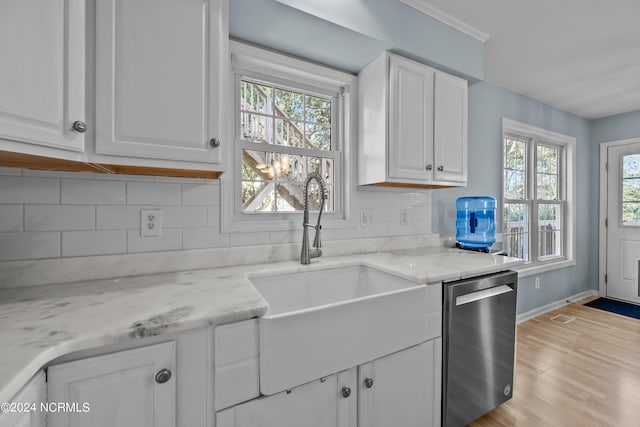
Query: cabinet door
x=35 y=392
x=319 y=403
x=410 y=120
x=159 y=72
x=42 y=56
x=397 y=390
x=122 y=389
x=450 y=144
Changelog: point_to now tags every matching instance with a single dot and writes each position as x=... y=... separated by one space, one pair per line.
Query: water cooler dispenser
x=475 y=223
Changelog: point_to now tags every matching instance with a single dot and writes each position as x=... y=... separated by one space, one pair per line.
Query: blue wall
x=488 y=104
x=616 y=128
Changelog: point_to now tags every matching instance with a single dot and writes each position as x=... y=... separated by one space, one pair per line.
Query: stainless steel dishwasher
x=479 y=319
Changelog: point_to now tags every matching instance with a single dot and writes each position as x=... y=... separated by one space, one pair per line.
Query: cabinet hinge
x=606 y=278
x=606 y=166
x=606 y=222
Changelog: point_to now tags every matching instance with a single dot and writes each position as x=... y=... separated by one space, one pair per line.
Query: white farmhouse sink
x=324 y=321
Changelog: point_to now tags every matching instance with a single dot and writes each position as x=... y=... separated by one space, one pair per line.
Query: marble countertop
x=41 y=323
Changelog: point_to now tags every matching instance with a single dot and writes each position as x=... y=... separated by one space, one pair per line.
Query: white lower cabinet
x=397 y=390
x=401 y=389
x=32 y=395
x=131 y=388
x=315 y=404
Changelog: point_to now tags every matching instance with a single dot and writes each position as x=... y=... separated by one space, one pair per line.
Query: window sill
x=529 y=269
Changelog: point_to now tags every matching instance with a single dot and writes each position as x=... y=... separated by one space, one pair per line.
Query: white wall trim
x=445 y=18
x=602 y=230
x=554 y=306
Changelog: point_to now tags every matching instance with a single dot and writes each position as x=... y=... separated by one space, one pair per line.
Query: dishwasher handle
x=483 y=294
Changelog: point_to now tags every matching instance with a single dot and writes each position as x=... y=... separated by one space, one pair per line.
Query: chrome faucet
x=307 y=253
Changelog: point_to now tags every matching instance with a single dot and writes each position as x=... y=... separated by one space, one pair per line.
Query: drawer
x=236 y=363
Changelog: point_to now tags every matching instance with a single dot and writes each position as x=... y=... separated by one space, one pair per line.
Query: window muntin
x=533 y=198
x=285 y=134
x=630 y=199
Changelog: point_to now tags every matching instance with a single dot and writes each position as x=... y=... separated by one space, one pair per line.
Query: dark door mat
x=618 y=307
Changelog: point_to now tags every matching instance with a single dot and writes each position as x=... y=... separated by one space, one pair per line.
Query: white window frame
x=255 y=64
x=567 y=189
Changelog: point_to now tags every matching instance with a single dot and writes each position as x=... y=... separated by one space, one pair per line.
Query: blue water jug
x=475 y=223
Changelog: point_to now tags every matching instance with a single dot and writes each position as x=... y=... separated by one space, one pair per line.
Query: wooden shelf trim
x=28 y=161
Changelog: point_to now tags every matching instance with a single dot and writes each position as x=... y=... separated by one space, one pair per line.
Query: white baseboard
x=554 y=305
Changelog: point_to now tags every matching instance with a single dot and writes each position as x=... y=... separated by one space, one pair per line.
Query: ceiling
x=582 y=56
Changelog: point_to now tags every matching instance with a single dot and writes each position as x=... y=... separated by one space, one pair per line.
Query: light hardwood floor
x=575 y=366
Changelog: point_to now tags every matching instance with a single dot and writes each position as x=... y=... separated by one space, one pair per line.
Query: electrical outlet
x=404 y=216
x=537 y=283
x=150 y=222
x=366 y=216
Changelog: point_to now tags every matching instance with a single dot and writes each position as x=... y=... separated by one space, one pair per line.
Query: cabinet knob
x=163 y=376
x=214 y=142
x=428 y=167
x=80 y=126
x=368 y=382
x=346 y=392
x=440 y=168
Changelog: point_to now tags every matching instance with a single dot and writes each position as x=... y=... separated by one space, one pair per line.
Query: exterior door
x=623 y=218
x=131 y=388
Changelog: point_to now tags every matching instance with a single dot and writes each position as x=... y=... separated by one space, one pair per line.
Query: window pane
x=631 y=166
x=258 y=196
x=549 y=230
x=319 y=136
x=516 y=230
x=318 y=110
x=631 y=189
x=273 y=182
x=256 y=128
x=547 y=186
x=514 y=184
x=630 y=213
x=255 y=98
x=547 y=159
x=515 y=154
x=290 y=104
x=289 y=133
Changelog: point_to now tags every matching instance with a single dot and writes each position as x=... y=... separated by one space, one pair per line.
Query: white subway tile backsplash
x=91 y=192
x=57 y=174
x=153 y=193
x=213 y=216
x=10 y=218
x=203 y=237
x=10 y=171
x=246 y=239
x=20 y=246
x=200 y=194
x=183 y=216
x=101 y=242
x=171 y=239
x=122 y=177
x=59 y=217
x=119 y=217
x=19 y=189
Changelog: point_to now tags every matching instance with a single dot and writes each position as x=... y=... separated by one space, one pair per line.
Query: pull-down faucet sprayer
x=307 y=253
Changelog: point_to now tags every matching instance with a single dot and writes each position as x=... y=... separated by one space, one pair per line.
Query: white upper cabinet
x=412 y=127
x=450 y=141
x=42 y=72
x=160 y=65
x=410 y=119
